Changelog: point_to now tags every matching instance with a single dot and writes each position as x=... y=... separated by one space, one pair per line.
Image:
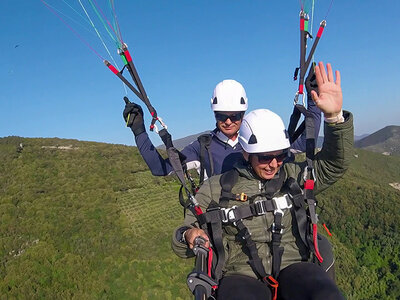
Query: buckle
x=281 y=203
x=242 y=197
x=259 y=207
x=274 y=230
x=228 y=214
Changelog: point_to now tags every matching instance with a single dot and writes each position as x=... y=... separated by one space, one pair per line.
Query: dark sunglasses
x=235 y=117
x=266 y=159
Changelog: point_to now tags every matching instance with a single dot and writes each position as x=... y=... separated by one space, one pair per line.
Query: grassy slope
x=86 y=223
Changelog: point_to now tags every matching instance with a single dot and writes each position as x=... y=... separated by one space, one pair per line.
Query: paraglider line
x=116 y=20
x=105 y=18
x=98 y=34
x=70 y=28
x=329 y=9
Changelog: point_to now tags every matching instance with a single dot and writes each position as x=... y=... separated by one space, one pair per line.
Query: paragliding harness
x=204 y=142
x=219 y=215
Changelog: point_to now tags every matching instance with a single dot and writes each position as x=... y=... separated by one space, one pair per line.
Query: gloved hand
x=311 y=82
x=133 y=116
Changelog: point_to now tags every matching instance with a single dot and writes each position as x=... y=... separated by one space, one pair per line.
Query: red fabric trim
x=274 y=285
x=327 y=230
x=113 y=69
x=210 y=257
x=198 y=210
x=309 y=184
x=320 y=30
x=128 y=56
x=315 y=239
x=301 y=89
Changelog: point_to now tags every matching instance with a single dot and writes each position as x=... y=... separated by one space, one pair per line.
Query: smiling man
x=255 y=216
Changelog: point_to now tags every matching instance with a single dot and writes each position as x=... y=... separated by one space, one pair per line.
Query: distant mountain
x=359 y=137
x=386 y=140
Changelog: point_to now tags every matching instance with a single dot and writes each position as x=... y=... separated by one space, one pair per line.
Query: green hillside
x=85 y=220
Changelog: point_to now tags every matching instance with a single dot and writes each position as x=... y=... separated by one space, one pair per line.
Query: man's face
x=267 y=164
x=229 y=122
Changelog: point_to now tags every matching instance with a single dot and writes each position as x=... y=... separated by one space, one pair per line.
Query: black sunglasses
x=223 y=117
x=266 y=159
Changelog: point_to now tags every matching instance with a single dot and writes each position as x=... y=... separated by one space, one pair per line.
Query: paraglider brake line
x=305 y=63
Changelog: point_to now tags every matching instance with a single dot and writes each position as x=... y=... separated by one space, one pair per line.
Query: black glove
x=133 y=116
x=311 y=82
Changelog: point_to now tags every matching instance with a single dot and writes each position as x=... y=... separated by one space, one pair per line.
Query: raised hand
x=329 y=97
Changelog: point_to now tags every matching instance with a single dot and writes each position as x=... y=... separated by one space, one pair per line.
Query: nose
x=228 y=121
x=273 y=163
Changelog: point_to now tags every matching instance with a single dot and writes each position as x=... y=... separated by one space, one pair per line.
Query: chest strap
x=258 y=208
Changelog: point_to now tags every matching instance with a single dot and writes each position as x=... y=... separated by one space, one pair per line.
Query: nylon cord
x=329 y=9
x=105 y=18
x=312 y=23
x=112 y=3
x=102 y=41
x=104 y=24
x=98 y=34
x=77 y=12
x=59 y=12
x=70 y=28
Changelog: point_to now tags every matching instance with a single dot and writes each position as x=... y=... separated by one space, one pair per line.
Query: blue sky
x=52 y=85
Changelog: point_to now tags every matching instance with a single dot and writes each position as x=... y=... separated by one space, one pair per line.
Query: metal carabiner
x=296 y=99
x=163 y=125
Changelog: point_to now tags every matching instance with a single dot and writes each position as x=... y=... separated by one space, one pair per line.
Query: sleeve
x=333 y=160
x=156 y=163
x=300 y=143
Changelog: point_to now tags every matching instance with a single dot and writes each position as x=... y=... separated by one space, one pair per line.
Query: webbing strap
x=255 y=260
x=277 y=251
x=175 y=157
x=237 y=213
x=205 y=141
x=216 y=235
x=227 y=181
x=299 y=209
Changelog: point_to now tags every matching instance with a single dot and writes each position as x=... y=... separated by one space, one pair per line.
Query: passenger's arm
x=133 y=116
x=333 y=160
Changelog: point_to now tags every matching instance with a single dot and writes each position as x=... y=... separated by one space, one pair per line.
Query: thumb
x=314 y=96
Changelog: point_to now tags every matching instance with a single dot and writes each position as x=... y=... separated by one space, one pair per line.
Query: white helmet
x=229 y=95
x=263 y=131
